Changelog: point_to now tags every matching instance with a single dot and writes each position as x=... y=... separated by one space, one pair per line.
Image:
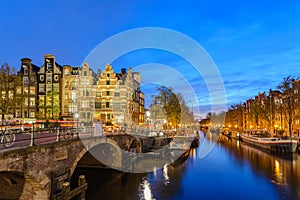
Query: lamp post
x=148 y=114
x=77 y=118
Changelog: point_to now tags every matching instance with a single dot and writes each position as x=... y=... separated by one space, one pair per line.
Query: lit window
x=32 y=90
x=41 y=87
x=98 y=93
x=25 y=81
x=32 y=102
x=67 y=72
x=49 y=77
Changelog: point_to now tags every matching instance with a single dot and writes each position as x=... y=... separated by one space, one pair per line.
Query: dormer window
x=25 y=70
x=67 y=72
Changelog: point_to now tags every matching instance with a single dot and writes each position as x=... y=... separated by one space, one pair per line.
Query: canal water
x=232 y=170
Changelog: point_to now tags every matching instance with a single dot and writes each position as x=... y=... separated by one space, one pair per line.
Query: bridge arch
x=91 y=145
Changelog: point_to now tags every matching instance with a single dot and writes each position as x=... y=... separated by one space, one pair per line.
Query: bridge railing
x=38 y=136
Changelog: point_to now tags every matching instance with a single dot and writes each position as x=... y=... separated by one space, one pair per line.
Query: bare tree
x=9 y=81
x=286 y=87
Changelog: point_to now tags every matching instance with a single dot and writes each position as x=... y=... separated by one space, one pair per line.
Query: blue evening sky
x=254 y=44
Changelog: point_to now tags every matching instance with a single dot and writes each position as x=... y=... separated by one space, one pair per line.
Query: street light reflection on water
x=232 y=170
x=146 y=193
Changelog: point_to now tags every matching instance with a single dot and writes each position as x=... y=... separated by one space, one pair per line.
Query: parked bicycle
x=7 y=138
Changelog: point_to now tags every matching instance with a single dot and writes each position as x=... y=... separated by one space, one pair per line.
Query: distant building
x=26 y=93
x=49 y=89
x=69 y=92
x=85 y=98
x=118 y=97
x=296 y=105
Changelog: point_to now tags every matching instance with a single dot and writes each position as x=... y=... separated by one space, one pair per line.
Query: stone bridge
x=37 y=172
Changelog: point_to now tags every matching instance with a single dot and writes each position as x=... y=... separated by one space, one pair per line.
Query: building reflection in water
x=283 y=170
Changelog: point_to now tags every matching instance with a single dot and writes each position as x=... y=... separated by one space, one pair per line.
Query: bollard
x=32 y=138
x=81 y=180
x=57 y=135
x=66 y=189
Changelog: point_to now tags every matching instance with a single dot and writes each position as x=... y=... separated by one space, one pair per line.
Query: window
x=19 y=90
x=108 y=116
x=25 y=71
x=87 y=93
x=49 y=78
x=18 y=113
x=117 y=94
x=32 y=102
x=107 y=104
x=117 y=106
x=98 y=93
x=49 y=88
x=42 y=77
x=25 y=81
x=85 y=104
x=85 y=73
x=56 y=87
x=66 y=96
x=107 y=82
x=107 y=93
x=56 y=77
x=25 y=90
x=67 y=72
x=295 y=91
x=32 y=90
x=41 y=100
x=107 y=75
x=41 y=87
x=49 y=66
x=73 y=96
x=296 y=101
x=97 y=105
x=88 y=116
x=25 y=102
x=73 y=109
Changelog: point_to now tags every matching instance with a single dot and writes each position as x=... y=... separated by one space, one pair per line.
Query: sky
x=254 y=45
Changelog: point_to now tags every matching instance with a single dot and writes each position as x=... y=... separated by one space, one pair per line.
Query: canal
x=232 y=170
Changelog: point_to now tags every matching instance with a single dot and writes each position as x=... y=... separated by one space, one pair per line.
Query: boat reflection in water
x=232 y=170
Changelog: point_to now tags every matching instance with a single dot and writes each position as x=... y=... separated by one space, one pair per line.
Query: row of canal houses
x=53 y=91
x=268 y=111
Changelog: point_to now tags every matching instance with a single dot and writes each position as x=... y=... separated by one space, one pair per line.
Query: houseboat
x=272 y=144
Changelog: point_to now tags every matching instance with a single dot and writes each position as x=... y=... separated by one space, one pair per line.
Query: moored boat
x=272 y=144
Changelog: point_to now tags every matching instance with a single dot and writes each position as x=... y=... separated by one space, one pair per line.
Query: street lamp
x=148 y=114
x=76 y=117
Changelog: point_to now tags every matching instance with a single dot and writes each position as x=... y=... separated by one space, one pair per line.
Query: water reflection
x=283 y=170
x=146 y=193
x=232 y=170
x=166 y=177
